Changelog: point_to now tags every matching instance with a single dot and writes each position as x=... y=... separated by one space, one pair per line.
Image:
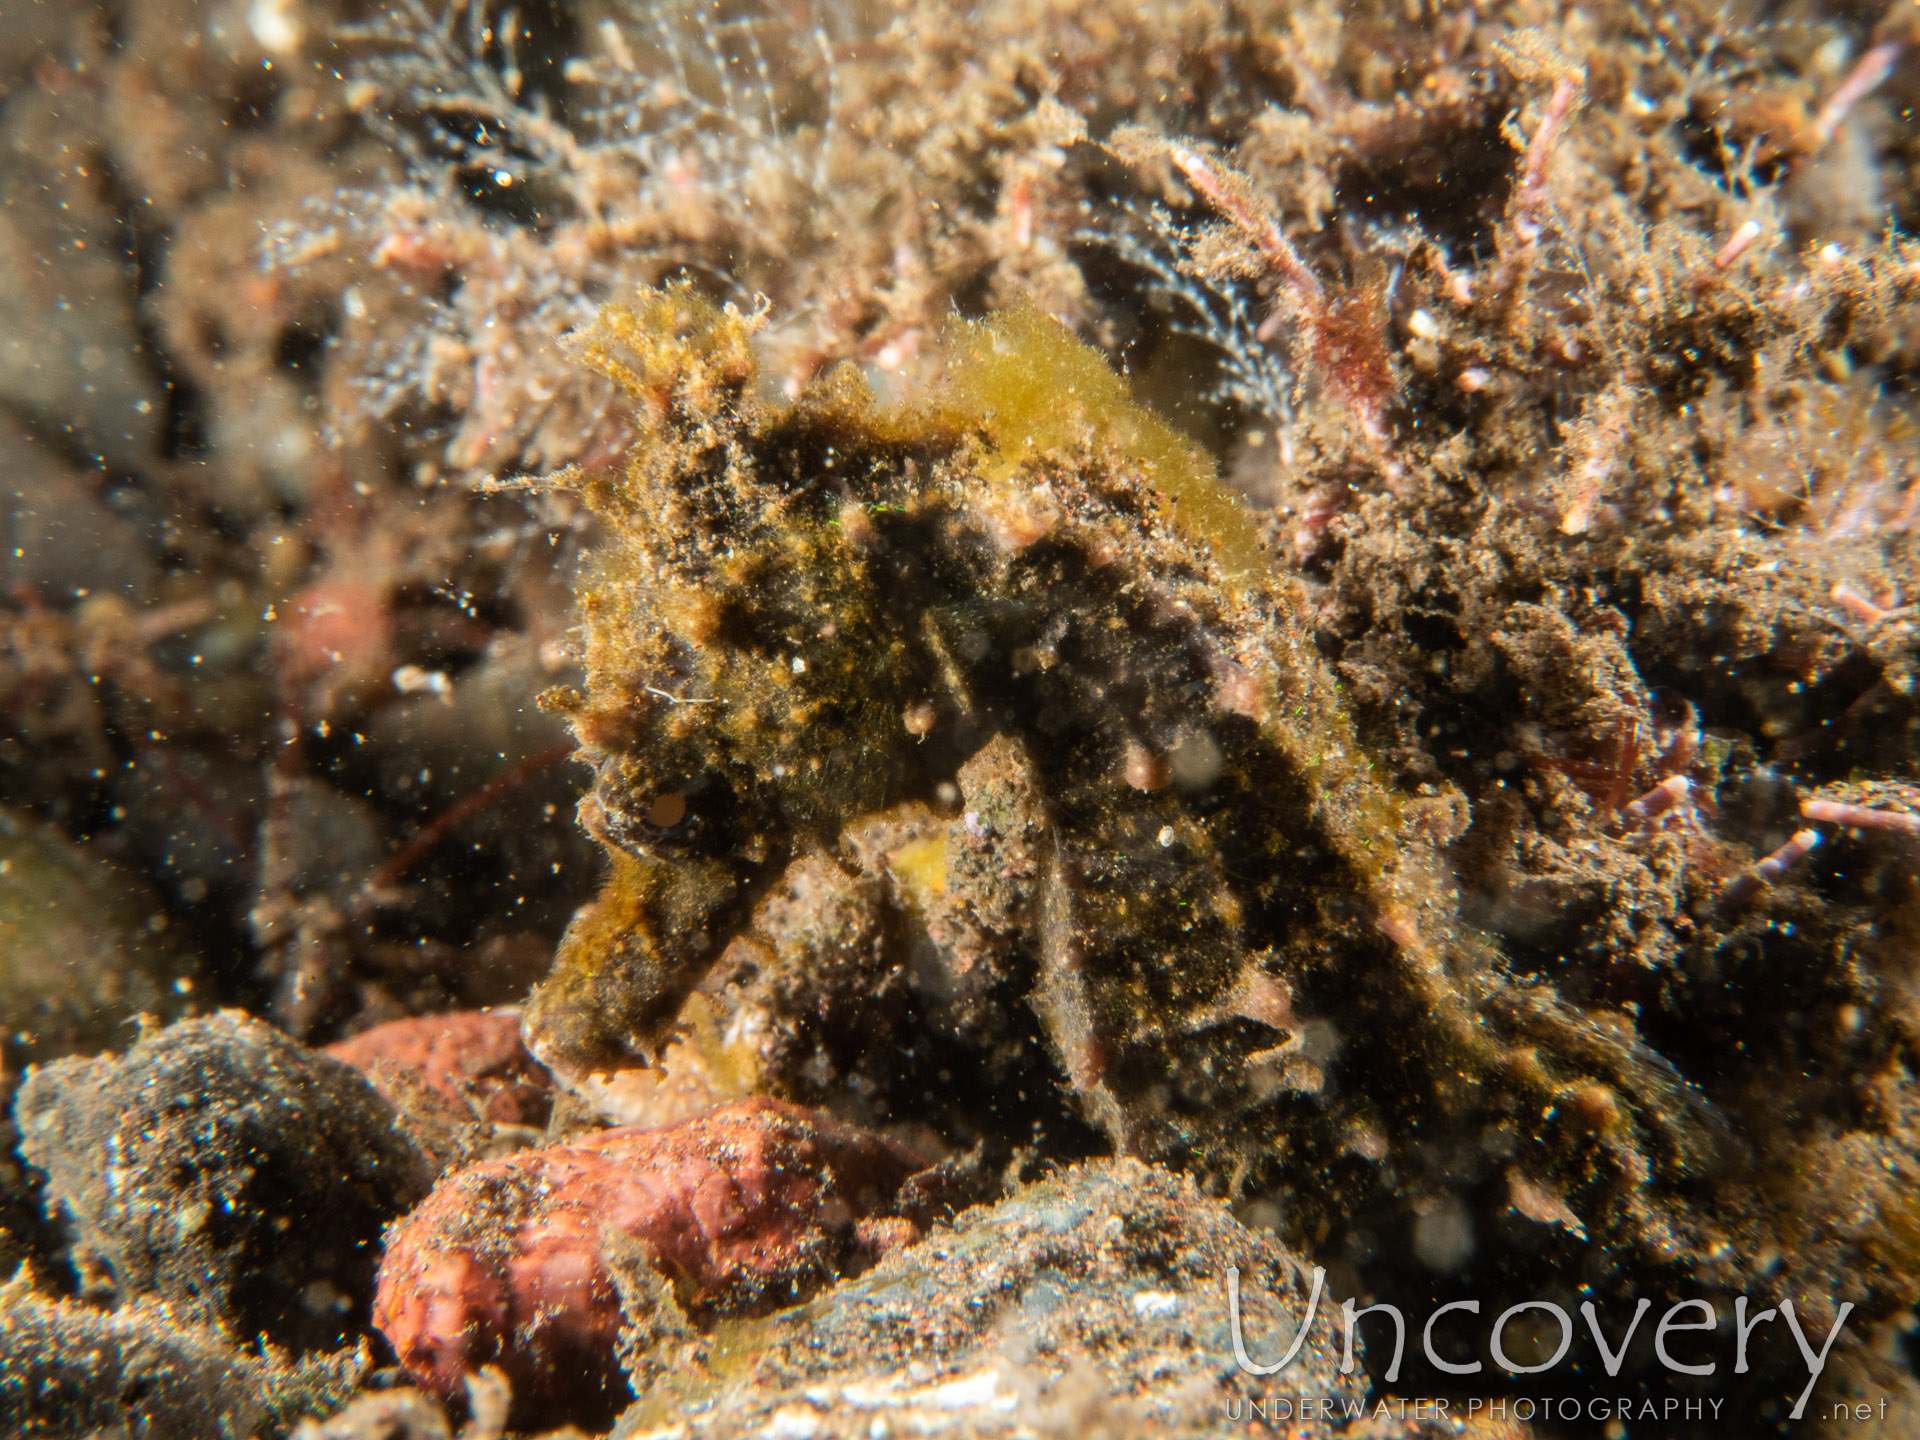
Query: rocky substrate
x=221 y=1192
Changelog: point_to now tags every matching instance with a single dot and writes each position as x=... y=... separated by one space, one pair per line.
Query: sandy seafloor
x=1262 y=636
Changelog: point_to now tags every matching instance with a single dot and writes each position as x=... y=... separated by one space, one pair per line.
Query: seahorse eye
x=667 y=810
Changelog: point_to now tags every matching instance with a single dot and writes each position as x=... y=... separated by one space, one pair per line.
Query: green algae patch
x=1024 y=379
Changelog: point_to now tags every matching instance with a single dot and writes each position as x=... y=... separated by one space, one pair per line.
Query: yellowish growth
x=732 y=1066
x=1023 y=378
x=672 y=348
x=921 y=868
x=686 y=361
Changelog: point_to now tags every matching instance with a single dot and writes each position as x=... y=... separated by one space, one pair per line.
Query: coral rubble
x=1089 y=1303
x=551 y=1263
x=144 y=1372
x=465 y=1057
x=187 y=1167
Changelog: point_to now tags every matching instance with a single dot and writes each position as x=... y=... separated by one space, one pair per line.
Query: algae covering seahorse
x=956 y=749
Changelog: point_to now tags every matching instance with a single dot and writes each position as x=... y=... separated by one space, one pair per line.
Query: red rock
x=468 y=1055
x=749 y=1206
